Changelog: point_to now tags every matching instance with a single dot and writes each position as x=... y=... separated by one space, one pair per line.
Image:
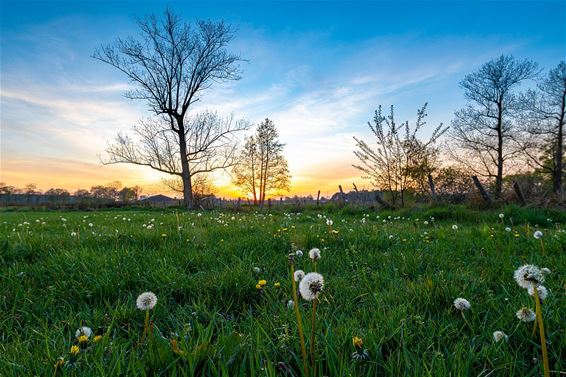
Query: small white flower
x=526 y=314
x=507 y=229
x=455 y=227
x=90 y=225
x=257 y=270
x=541 y=289
x=86 y=331
x=329 y=222
x=537 y=234
x=499 y=336
x=528 y=275
x=501 y=215
x=290 y=304
x=462 y=304
x=299 y=253
x=299 y=275
x=425 y=222
x=311 y=286
x=73 y=234
x=146 y=301
x=314 y=254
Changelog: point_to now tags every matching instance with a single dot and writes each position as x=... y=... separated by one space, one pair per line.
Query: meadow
x=390 y=279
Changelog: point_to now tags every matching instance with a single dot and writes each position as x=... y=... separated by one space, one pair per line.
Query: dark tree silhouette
x=170 y=65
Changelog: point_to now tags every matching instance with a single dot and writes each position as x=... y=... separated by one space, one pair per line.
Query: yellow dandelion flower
x=75 y=350
x=357 y=342
x=277 y=285
x=83 y=339
x=163 y=235
x=97 y=338
x=258 y=286
x=262 y=282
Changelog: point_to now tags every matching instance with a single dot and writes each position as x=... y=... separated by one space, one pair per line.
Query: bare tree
x=483 y=131
x=170 y=65
x=210 y=139
x=543 y=118
x=262 y=169
x=399 y=160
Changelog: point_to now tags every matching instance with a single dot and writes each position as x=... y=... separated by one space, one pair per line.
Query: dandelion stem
x=299 y=320
x=145 y=326
x=541 y=331
x=542 y=246
x=313 y=338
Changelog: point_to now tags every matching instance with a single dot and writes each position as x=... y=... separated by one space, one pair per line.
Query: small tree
x=57 y=192
x=484 y=130
x=399 y=160
x=262 y=169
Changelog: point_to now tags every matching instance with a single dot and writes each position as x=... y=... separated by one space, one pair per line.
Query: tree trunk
x=432 y=188
x=318 y=198
x=558 y=166
x=185 y=170
x=519 y=192
x=499 y=177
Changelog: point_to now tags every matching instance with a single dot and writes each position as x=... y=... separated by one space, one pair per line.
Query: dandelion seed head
x=257 y=270
x=507 y=229
x=537 y=234
x=314 y=254
x=299 y=275
x=545 y=271
x=299 y=253
x=455 y=227
x=525 y=314
x=499 y=336
x=528 y=275
x=84 y=330
x=501 y=215
x=462 y=304
x=146 y=301
x=290 y=304
x=311 y=286
x=541 y=289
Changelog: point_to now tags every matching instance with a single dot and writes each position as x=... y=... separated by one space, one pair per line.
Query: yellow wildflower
x=262 y=282
x=97 y=338
x=83 y=339
x=357 y=342
x=277 y=285
x=75 y=350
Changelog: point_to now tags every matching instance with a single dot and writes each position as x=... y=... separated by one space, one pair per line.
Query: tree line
x=112 y=191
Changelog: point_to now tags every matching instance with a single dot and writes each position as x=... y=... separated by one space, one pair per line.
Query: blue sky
x=318 y=69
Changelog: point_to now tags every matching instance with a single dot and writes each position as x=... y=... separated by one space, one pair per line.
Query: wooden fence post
x=482 y=191
x=318 y=198
x=269 y=202
x=342 y=196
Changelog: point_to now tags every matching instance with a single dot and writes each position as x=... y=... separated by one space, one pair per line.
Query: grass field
x=390 y=279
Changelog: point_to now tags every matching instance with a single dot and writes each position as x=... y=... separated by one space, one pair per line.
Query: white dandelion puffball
x=299 y=275
x=455 y=227
x=311 y=286
x=499 y=336
x=329 y=222
x=501 y=215
x=462 y=304
x=545 y=271
x=314 y=254
x=299 y=253
x=257 y=270
x=526 y=315
x=528 y=275
x=537 y=234
x=146 y=301
x=86 y=331
x=541 y=289
x=290 y=304
x=507 y=229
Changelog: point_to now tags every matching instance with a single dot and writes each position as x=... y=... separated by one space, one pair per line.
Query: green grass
x=391 y=283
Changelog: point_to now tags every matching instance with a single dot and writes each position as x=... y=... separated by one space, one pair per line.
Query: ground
x=390 y=279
